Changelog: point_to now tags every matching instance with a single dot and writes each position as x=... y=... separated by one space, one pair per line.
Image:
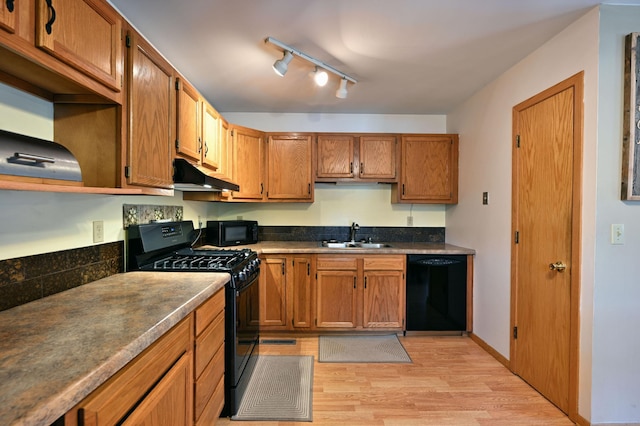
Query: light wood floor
x=452 y=381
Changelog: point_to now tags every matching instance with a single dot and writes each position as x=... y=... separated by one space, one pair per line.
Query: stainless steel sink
x=356 y=244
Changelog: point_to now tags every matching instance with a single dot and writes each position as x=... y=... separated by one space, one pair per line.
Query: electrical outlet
x=409 y=220
x=98 y=231
x=199 y=222
x=239 y=217
x=617 y=234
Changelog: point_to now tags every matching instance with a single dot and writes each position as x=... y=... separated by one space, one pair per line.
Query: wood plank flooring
x=452 y=381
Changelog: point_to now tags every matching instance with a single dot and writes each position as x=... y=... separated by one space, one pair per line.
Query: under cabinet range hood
x=187 y=177
x=31 y=157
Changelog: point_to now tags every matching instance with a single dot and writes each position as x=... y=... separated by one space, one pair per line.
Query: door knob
x=558 y=266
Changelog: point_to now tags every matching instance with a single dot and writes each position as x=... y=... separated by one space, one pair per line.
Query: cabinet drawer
x=209 y=310
x=384 y=263
x=208 y=343
x=337 y=263
x=115 y=398
x=208 y=381
x=213 y=408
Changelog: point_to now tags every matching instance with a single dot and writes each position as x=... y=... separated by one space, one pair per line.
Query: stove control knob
x=242 y=276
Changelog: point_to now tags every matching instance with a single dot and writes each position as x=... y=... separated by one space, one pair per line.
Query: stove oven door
x=242 y=341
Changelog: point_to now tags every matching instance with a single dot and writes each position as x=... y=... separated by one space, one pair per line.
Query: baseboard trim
x=484 y=345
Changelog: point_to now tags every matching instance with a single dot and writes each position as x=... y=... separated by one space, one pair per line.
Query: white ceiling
x=409 y=56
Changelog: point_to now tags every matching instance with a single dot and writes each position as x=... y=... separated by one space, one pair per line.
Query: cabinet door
x=170 y=401
x=300 y=276
x=225 y=165
x=383 y=299
x=429 y=169
x=334 y=156
x=289 y=168
x=336 y=299
x=248 y=163
x=273 y=292
x=188 y=138
x=85 y=34
x=8 y=15
x=377 y=157
x=151 y=107
x=211 y=136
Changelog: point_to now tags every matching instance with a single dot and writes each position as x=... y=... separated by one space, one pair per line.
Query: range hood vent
x=31 y=157
x=187 y=177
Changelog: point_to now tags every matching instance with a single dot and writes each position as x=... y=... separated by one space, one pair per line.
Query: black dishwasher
x=436 y=292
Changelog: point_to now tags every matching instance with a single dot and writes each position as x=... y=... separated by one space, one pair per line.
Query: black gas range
x=167 y=247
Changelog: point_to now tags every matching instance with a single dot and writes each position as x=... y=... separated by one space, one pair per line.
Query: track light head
x=342 y=90
x=320 y=77
x=281 y=65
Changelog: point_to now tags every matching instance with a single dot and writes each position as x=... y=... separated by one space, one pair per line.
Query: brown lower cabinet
x=178 y=380
x=320 y=292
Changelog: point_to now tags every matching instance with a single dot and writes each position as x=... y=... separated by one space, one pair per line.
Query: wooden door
x=289 y=173
x=334 y=156
x=8 y=15
x=248 y=163
x=170 y=402
x=545 y=252
x=210 y=137
x=429 y=172
x=336 y=299
x=377 y=155
x=85 y=34
x=273 y=292
x=300 y=276
x=383 y=299
x=188 y=137
x=151 y=108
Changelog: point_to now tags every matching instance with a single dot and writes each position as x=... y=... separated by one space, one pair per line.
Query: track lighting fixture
x=320 y=76
x=342 y=90
x=281 y=65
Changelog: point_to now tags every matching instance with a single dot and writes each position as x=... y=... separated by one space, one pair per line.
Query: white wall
x=616 y=336
x=339 y=205
x=484 y=124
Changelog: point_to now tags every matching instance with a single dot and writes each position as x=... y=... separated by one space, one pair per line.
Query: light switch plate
x=98 y=231
x=617 y=233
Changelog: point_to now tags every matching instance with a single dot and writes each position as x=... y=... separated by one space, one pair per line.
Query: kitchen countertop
x=315 y=247
x=55 y=351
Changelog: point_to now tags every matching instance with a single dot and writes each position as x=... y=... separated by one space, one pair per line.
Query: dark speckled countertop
x=57 y=350
x=315 y=247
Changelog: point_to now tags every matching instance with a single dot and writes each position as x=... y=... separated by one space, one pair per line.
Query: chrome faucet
x=354 y=229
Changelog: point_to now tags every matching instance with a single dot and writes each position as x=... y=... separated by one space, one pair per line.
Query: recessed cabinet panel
x=377 y=157
x=211 y=137
x=429 y=169
x=85 y=34
x=289 y=168
x=151 y=106
x=188 y=134
x=335 y=156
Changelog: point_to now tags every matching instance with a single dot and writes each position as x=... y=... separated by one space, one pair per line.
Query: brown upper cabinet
x=428 y=169
x=188 y=128
x=211 y=137
x=248 y=164
x=85 y=34
x=151 y=114
x=289 y=167
x=8 y=15
x=347 y=157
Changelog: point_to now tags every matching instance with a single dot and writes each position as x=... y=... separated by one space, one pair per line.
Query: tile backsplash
x=28 y=278
x=137 y=214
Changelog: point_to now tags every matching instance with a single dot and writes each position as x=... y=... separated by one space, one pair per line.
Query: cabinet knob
x=558 y=266
x=10 y=6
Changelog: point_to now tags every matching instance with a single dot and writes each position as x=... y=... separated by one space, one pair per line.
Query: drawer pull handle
x=52 y=17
